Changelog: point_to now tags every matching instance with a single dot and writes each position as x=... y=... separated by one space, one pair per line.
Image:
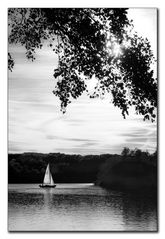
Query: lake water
x=78 y=207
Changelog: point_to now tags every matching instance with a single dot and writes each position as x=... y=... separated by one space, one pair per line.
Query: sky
x=89 y=126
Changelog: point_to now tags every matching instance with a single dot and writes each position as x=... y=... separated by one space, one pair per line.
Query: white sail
x=47 y=176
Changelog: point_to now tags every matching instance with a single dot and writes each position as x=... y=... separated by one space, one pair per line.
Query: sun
x=114 y=48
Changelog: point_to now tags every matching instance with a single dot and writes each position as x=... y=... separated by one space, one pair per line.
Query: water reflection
x=140 y=212
x=81 y=209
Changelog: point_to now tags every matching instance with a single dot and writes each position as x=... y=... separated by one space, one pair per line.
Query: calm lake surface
x=78 y=207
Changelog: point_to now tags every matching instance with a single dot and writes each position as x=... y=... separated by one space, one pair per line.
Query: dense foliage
x=134 y=170
x=90 y=43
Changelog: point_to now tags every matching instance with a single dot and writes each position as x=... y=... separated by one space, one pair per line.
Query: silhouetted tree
x=90 y=42
x=125 y=152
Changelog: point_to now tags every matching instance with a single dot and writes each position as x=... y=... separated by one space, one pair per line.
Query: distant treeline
x=30 y=167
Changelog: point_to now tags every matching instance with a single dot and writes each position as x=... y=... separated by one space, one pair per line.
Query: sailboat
x=48 y=179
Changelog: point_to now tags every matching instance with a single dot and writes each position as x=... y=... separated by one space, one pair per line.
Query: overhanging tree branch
x=123 y=68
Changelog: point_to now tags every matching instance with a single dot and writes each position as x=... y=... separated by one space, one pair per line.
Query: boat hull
x=47 y=186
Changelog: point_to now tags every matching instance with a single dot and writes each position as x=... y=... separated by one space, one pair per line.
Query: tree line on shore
x=108 y=170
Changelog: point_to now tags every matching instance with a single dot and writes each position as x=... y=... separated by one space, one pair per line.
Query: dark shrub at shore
x=129 y=172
